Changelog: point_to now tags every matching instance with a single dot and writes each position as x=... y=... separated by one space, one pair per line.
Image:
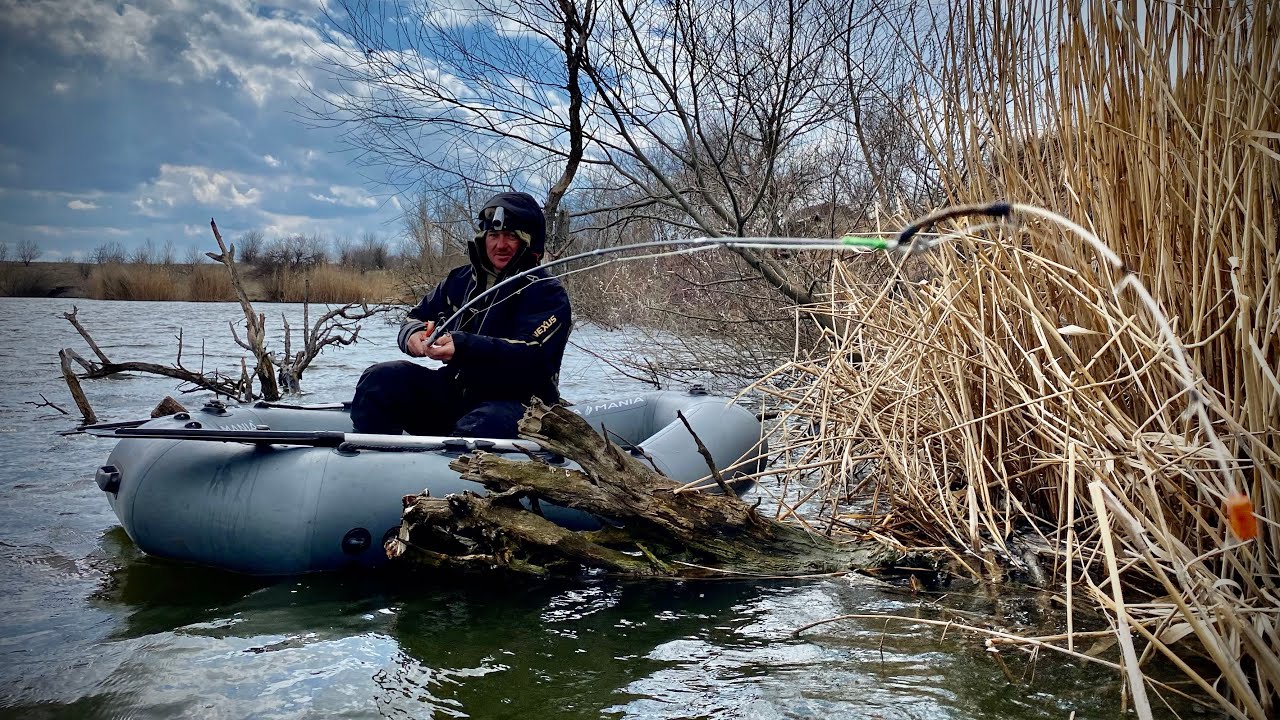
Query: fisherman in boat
x=497 y=356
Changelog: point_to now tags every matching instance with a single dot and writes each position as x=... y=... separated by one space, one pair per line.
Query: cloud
x=153 y=115
x=184 y=185
x=347 y=197
x=104 y=31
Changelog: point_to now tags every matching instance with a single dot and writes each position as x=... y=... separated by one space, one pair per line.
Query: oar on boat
x=324 y=438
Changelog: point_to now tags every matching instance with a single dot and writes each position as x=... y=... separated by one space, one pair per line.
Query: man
x=502 y=352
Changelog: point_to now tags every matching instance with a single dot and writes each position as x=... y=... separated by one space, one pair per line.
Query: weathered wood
x=658 y=531
x=73 y=385
x=335 y=327
x=255 y=322
x=93 y=345
x=167 y=406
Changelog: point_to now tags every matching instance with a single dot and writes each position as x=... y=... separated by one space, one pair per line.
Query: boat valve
x=108 y=477
x=215 y=407
x=356 y=541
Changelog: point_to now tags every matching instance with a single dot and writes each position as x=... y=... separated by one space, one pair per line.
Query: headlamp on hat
x=492 y=219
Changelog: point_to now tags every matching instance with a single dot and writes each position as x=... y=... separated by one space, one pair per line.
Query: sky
x=139 y=121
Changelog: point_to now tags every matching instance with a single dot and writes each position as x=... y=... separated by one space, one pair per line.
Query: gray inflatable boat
x=273 y=489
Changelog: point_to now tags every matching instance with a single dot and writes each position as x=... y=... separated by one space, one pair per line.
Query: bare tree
x=194 y=256
x=701 y=117
x=491 y=109
x=4 y=252
x=28 y=251
x=144 y=254
x=251 y=246
x=110 y=251
x=168 y=254
x=436 y=233
x=371 y=253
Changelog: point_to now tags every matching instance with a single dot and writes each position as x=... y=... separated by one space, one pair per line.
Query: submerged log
x=656 y=529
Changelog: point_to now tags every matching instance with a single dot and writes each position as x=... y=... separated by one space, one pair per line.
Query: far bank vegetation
x=293 y=268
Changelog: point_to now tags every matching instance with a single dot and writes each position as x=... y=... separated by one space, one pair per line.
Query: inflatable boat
x=271 y=489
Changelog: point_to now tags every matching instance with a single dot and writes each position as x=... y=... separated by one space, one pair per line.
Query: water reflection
x=373 y=644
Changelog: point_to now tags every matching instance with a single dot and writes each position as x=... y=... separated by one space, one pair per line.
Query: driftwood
x=103 y=367
x=656 y=528
x=333 y=327
x=73 y=383
x=254 y=321
x=273 y=372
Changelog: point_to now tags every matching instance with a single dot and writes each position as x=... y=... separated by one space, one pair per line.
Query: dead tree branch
x=255 y=322
x=658 y=531
x=73 y=384
x=45 y=402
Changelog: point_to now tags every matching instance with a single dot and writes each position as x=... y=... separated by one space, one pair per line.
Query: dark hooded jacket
x=510 y=344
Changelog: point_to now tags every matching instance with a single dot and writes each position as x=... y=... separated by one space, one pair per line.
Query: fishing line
x=816 y=244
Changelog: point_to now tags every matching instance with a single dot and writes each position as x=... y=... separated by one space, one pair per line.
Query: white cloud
x=61 y=88
x=85 y=27
x=58 y=231
x=280 y=224
x=271 y=161
x=82 y=205
x=192 y=184
x=347 y=196
x=267 y=54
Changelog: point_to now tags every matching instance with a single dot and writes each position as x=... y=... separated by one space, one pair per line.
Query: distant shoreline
x=200 y=282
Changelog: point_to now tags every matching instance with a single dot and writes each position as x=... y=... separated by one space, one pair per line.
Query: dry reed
x=209 y=283
x=1020 y=406
x=115 y=281
x=334 y=284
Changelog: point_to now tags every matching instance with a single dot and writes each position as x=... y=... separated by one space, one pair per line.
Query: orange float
x=1239 y=510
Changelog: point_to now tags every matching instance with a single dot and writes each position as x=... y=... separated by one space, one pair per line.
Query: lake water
x=91 y=628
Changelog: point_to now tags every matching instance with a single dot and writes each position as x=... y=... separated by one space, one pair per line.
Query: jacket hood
x=514 y=211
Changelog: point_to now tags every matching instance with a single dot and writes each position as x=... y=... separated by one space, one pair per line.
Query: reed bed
x=1017 y=403
x=116 y=281
x=209 y=283
x=332 y=284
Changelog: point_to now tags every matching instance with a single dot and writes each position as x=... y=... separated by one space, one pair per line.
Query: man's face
x=501 y=246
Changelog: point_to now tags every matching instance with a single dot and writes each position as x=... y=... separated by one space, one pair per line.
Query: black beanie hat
x=519 y=213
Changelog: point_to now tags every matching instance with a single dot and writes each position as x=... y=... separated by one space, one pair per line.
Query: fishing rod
x=859 y=243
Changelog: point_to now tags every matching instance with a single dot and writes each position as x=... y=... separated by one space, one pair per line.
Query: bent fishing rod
x=858 y=243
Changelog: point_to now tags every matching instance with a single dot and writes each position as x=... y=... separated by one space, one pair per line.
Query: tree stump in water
x=659 y=531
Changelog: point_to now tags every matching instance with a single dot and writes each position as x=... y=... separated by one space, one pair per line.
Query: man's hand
x=442 y=350
x=417 y=345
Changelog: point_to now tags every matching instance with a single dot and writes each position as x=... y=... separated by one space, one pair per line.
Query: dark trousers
x=397 y=396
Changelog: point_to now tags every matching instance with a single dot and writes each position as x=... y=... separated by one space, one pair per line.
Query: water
x=92 y=628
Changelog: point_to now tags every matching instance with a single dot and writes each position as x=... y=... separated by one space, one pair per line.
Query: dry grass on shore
x=332 y=284
x=116 y=281
x=1022 y=408
x=200 y=283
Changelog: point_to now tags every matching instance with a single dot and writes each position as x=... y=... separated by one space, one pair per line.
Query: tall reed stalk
x=1020 y=407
